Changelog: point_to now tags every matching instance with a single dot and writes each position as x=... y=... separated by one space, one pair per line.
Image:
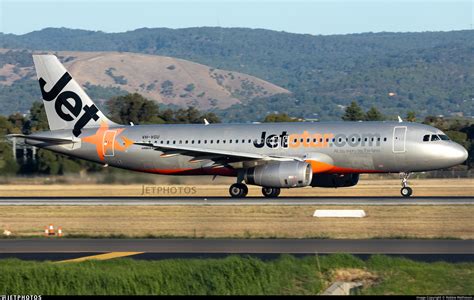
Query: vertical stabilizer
x=67 y=105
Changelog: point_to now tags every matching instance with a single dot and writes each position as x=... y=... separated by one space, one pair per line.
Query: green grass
x=231 y=275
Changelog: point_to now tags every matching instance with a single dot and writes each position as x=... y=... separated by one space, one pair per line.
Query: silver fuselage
x=337 y=147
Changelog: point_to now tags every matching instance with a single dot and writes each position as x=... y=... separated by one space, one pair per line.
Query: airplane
x=270 y=155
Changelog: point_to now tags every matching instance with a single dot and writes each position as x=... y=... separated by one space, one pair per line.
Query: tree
x=374 y=115
x=133 y=108
x=280 y=117
x=353 y=113
x=411 y=116
x=192 y=116
x=38 y=120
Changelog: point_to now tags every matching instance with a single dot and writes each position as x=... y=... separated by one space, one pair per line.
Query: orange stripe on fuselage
x=318 y=167
x=322 y=167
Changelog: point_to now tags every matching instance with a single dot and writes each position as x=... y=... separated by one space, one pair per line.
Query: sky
x=299 y=16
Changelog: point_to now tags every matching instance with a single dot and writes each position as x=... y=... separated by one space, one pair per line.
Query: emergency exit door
x=108 y=144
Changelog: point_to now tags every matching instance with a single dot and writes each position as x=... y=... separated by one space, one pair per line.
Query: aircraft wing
x=219 y=156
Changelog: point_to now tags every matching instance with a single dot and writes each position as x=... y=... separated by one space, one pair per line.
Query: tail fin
x=67 y=105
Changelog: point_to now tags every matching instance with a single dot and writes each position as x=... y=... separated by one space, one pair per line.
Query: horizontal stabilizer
x=45 y=139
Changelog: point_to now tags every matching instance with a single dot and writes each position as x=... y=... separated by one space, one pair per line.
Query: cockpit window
x=426 y=138
x=434 y=137
x=444 y=137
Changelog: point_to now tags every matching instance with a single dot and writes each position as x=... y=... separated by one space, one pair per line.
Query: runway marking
x=104 y=256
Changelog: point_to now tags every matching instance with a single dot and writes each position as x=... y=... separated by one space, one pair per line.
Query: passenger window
x=434 y=137
x=250 y=141
x=230 y=141
x=174 y=142
x=212 y=141
x=426 y=138
x=385 y=139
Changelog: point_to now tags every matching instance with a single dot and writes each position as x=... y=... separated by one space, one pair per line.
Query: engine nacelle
x=335 y=180
x=286 y=174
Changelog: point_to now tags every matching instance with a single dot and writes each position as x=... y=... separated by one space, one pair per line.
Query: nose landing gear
x=406 y=191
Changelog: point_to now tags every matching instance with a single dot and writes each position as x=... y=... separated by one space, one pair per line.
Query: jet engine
x=335 y=180
x=287 y=174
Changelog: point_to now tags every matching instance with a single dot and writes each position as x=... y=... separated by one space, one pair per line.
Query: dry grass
x=241 y=221
x=390 y=187
x=353 y=275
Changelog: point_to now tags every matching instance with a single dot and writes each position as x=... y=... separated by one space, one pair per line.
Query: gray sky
x=303 y=16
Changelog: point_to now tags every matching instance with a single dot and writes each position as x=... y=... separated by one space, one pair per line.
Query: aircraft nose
x=457 y=154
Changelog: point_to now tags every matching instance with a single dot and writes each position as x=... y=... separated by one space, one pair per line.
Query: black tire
x=276 y=192
x=270 y=192
x=238 y=190
x=406 y=192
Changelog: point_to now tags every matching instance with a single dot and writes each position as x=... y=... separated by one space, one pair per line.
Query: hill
x=165 y=79
x=429 y=72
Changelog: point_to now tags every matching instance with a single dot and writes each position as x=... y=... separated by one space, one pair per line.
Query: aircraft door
x=108 y=143
x=399 y=139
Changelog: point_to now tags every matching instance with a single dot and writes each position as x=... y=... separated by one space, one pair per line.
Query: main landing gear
x=406 y=191
x=240 y=190
x=271 y=192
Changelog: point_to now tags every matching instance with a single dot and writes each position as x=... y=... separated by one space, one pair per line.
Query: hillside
x=429 y=72
x=165 y=79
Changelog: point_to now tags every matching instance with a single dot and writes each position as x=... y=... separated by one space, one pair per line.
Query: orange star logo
x=105 y=142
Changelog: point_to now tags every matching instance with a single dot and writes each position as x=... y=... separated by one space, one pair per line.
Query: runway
x=216 y=201
x=252 y=246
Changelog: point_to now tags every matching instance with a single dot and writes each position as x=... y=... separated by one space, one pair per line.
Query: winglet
x=400 y=119
x=206 y=122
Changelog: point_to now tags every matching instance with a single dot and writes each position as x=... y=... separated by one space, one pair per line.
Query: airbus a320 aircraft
x=273 y=156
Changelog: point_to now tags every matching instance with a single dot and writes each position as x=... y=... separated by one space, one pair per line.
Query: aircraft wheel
x=238 y=190
x=406 y=191
x=271 y=192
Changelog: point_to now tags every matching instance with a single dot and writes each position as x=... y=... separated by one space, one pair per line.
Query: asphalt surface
x=247 y=246
x=464 y=200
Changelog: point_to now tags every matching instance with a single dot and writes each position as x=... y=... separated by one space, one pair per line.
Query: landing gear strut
x=238 y=190
x=271 y=192
x=406 y=191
